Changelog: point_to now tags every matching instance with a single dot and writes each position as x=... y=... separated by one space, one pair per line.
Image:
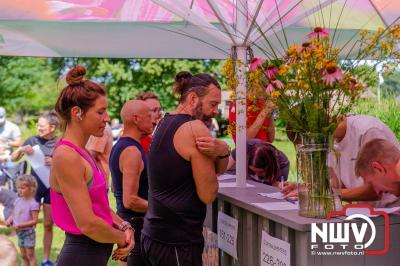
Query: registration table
x=289 y=233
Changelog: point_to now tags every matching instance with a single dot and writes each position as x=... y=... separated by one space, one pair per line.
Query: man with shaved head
x=128 y=164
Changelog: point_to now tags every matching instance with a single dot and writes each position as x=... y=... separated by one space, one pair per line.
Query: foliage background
x=29 y=86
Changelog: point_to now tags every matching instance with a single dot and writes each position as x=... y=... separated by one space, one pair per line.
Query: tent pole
x=241 y=51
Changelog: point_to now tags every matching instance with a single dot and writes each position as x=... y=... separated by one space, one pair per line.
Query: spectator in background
x=260 y=121
x=7 y=198
x=153 y=102
x=266 y=164
x=116 y=129
x=10 y=136
x=100 y=147
x=46 y=139
x=213 y=127
x=25 y=217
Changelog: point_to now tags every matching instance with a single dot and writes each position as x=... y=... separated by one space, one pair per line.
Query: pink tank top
x=60 y=212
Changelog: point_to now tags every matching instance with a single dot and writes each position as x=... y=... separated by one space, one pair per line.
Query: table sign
x=227 y=234
x=274 y=252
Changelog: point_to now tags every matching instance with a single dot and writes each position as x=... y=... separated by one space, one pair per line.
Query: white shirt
x=360 y=130
x=9 y=131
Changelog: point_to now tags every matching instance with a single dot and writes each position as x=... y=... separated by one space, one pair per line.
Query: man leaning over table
x=378 y=163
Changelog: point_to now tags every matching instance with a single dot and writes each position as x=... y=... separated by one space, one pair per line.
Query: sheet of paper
x=225 y=177
x=232 y=184
x=36 y=160
x=274 y=251
x=277 y=206
x=275 y=195
x=227 y=233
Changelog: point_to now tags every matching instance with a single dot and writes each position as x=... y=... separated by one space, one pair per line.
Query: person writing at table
x=266 y=164
x=350 y=136
x=79 y=203
x=378 y=163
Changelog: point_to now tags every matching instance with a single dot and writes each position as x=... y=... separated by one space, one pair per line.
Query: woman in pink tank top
x=79 y=202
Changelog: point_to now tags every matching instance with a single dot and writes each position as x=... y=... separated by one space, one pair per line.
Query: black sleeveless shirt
x=175 y=214
x=116 y=174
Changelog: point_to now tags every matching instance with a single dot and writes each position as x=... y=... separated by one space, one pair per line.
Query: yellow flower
x=283 y=69
x=320 y=65
x=363 y=33
x=292 y=51
x=317 y=106
x=275 y=94
x=306 y=56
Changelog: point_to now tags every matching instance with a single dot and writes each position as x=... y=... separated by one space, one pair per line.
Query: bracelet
x=125 y=226
x=226 y=155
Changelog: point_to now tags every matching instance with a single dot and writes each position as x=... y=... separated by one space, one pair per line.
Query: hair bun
x=181 y=81
x=75 y=75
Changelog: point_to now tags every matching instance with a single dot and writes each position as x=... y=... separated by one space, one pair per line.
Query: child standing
x=25 y=218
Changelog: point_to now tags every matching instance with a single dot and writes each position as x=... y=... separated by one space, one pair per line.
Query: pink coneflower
x=318 y=33
x=274 y=83
x=305 y=46
x=353 y=85
x=271 y=71
x=332 y=74
x=255 y=62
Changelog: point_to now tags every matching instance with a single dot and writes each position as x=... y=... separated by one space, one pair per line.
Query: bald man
x=128 y=164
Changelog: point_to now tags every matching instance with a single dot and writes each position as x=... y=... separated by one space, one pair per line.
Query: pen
x=290 y=200
x=282 y=181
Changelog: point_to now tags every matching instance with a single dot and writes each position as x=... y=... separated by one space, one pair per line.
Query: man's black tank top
x=116 y=174
x=175 y=214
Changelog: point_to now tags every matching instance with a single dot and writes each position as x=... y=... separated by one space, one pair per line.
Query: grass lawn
x=281 y=143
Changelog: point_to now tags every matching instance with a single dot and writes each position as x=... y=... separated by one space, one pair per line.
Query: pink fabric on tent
x=149 y=11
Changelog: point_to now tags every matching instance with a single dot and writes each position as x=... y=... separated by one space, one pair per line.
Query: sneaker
x=47 y=263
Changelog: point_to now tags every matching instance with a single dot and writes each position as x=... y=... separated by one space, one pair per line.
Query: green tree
x=125 y=78
x=27 y=85
x=391 y=85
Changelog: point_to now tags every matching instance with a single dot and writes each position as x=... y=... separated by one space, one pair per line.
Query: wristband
x=125 y=226
x=226 y=155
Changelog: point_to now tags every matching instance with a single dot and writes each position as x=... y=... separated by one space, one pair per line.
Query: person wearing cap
x=10 y=136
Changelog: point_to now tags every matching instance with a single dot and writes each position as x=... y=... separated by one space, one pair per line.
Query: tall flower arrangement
x=311 y=87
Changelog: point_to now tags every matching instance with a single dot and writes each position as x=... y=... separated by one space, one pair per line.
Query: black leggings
x=82 y=250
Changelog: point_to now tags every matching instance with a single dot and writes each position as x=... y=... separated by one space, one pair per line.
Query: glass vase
x=318 y=193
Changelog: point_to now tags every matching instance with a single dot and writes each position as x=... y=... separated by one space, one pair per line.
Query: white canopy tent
x=208 y=29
